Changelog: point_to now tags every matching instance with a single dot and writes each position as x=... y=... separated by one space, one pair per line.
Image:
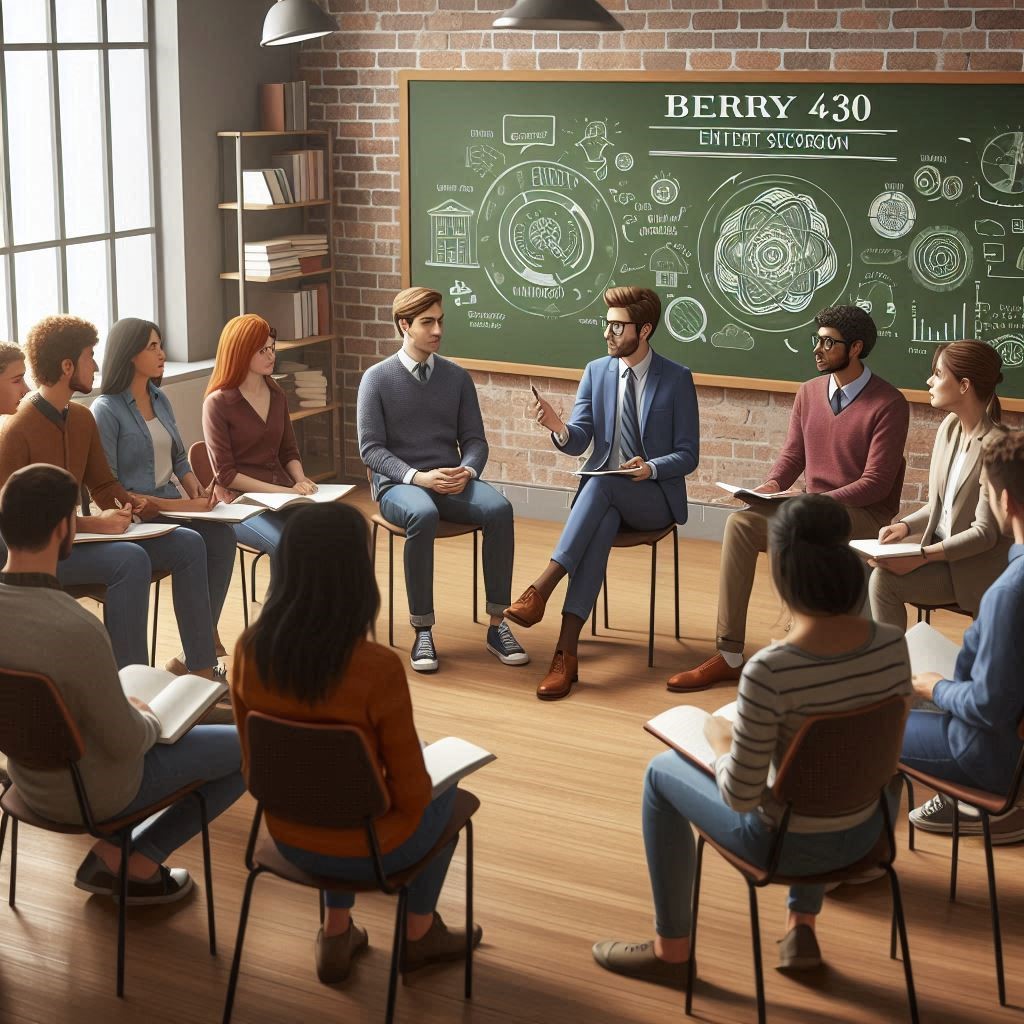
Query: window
x=78 y=221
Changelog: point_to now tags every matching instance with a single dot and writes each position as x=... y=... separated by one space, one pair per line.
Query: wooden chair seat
x=634 y=538
x=924 y=611
x=444 y=528
x=994 y=803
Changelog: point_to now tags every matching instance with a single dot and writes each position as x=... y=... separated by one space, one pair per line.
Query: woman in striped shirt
x=832 y=660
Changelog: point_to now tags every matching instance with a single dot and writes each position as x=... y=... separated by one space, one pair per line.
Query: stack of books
x=276 y=258
x=304 y=388
x=283 y=107
x=301 y=313
x=304 y=169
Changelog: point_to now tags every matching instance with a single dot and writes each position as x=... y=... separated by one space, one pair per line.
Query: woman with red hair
x=248 y=433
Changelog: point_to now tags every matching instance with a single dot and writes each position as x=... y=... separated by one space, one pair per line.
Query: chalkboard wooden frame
x=405 y=79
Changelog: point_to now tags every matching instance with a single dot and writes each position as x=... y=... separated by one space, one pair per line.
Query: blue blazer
x=669 y=423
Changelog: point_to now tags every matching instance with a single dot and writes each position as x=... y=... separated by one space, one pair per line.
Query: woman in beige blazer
x=961 y=548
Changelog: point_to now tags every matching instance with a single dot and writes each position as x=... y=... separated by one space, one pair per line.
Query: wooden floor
x=559 y=862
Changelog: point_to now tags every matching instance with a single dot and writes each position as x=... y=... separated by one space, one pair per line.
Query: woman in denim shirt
x=144 y=448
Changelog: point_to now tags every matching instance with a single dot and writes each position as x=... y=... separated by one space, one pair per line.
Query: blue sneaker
x=504 y=646
x=423 y=657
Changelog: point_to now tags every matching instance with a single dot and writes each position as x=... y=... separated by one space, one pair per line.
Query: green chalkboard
x=747 y=204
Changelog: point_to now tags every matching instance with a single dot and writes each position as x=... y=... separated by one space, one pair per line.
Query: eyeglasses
x=617 y=326
x=271 y=347
x=825 y=343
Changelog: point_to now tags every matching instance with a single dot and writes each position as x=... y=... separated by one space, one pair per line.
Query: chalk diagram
x=733 y=336
x=624 y=161
x=952 y=187
x=928 y=180
x=892 y=214
x=686 y=319
x=665 y=191
x=1011 y=348
x=940 y=258
x=876 y=299
x=667 y=265
x=881 y=257
x=1002 y=163
x=774 y=245
x=451 y=236
x=594 y=143
x=538 y=227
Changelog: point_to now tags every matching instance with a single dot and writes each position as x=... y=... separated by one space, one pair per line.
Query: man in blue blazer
x=640 y=411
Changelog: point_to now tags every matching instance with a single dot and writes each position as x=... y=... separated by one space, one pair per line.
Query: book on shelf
x=304 y=170
x=287 y=499
x=280 y=308
x=311 y=264
x=269 y=246
x=283 y=106
x=177 y=701
x=266 y=187
x=682 y=728
x=452 y=759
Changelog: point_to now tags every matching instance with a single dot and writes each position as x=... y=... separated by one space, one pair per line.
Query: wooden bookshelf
x=275 y=206
x=233 y=275
x=272 y=135
x=303 y=414
x=287 y=344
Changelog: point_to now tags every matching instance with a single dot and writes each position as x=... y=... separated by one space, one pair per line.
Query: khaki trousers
x=746 y=536
x=890 y=594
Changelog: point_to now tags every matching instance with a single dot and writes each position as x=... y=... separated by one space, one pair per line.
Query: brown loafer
x=799 y=951
x=562 y=674
x=335 y=953
x=714 y=670
x=528 y=610
x=439 y=945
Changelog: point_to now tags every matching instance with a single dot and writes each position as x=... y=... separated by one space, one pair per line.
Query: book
x=452 y=759
x=607 y=472
x=272 y=107
x=256 y=189
x=748 y=495
x=872 y=548
x=930 y=651
x=221 y=513
x=177 y=701
x=284 y=499
x=682 y=728
x=135 y=532
x=279 y=308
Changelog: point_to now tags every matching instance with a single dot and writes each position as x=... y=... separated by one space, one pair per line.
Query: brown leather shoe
x=562 y=674
x=714 y=670
x=528 y=610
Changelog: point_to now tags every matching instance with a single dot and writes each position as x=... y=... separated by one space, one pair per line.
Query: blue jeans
x=417 y=511
x=126 y=568
x=926 y=747
x=219 y=539
x=262 y=532
x=208 y=752
x=423 y=892
x=677 y=793
x=603 y=505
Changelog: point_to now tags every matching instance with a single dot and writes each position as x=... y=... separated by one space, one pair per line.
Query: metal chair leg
x=391 y=589
x=373 y=625
x=604 y=590
x=955 y=856
x=691 y=970
x=396 y=953
x=675 y=558
x=469 y=909
x=910 y=807
x=236 y=960
x=650 y=630
x=156 y=619
x=593 y=620
x=755 y=931
x=207 y=872
x=4 y=818
x=245 y=596
x=14 y=863
x=476 y=584
x=997 y=939
x=122 y=908
x=900 y=920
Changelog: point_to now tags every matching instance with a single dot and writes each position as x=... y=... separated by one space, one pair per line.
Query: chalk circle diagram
x=876 y=299
x=665 y=191
x=686 y=319
x=624 y=161
x=940 y=258
x=537 y=230
x=928 y=180
x=1011 y=348
x=892 y=214
x=1002 y=162
x=733 y=336
x=952 y=187
x=777 y=247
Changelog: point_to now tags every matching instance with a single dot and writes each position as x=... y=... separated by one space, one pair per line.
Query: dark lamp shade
x=291 y=21
x=558 y=16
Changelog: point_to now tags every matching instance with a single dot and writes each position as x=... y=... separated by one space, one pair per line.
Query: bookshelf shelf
x=287 y=344
x=233 y=275
x=304 y=414
x=275 y=206
x=271 y=135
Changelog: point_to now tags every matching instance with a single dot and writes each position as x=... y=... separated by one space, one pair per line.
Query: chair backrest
x=837 y=764
x=199 y=460
x=36 y=728
x=313 y=774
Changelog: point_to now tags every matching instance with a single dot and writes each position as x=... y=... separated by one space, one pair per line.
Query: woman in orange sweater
x=307 y=658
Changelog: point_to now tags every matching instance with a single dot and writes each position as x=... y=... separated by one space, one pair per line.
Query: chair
x=633 y=539
x=836 y=765
x=98 y=592
x=924 y=611
x=283 y=756
x=199 y=460
x=444 y=531
x=37 y=731
x=986 y=804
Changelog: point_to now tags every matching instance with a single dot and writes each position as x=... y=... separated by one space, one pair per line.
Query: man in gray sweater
x=422 y=437
x=46 y=631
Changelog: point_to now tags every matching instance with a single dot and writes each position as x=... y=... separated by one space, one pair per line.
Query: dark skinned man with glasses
x=847 y=434
x=640 y=411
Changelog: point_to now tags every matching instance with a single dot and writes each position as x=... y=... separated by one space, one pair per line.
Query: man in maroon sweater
x=847 y=433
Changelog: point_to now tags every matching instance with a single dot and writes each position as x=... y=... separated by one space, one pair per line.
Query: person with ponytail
x=820 y=668
x=248 y=432
x=961 y=548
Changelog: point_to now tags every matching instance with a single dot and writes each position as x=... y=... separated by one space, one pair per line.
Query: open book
x=220 y=513
x=930 y=651
x=286 y=499
x=137 y=531
x=872 y=548
x=748 y=495
x=452 y=759
x=608 y=472
x=177 y=701
x=682 y=728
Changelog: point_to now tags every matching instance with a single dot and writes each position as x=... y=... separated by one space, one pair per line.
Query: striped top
x=782 y=686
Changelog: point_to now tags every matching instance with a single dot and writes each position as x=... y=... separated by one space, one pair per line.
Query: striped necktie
x=629 y=429
x=422 y=370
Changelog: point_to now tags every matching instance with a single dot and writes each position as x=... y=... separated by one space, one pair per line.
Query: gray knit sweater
x=404 y=423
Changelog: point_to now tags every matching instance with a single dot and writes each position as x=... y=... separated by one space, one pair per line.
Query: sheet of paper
x=220 y=513
x=137 y=531
x=872 y=548
x=930 y=651
x=452 y=759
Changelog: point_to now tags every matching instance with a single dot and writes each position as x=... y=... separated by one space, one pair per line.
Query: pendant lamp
x=558 y=16
x=291 y=21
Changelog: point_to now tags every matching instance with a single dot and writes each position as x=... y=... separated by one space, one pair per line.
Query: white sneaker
x=423 y=657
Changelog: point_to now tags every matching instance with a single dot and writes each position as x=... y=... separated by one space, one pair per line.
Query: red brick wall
x=353 y=78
